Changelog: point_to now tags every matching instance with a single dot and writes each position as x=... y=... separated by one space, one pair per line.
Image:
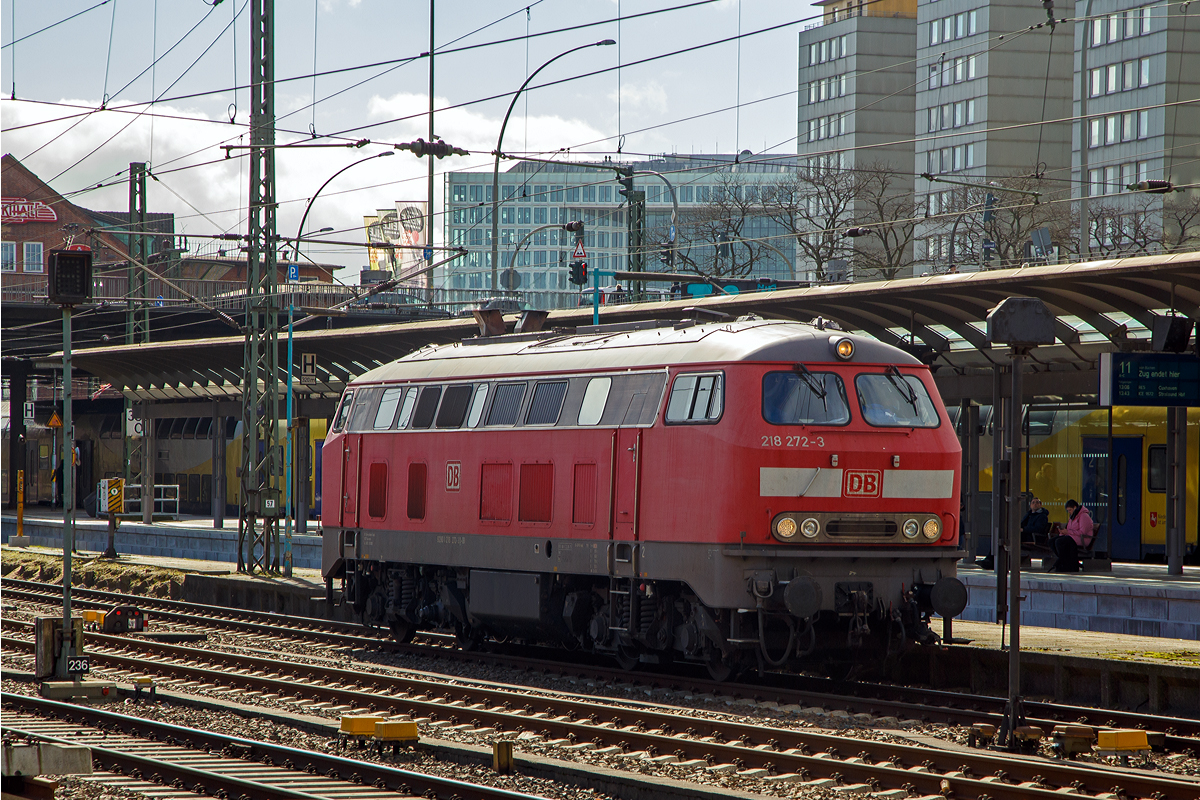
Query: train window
x=416 y=491
x=427 y=404
x=506 y=405
x=454 y=406
x=892 y=400
x=189 y=427
x=377 y=490
x=696 y=398
x=387 y=408
x=365 y=402
x=804 y=398
x=1156 y=472
x=593 y=401
x=406 y=410
x=546 y=403
x=481 y=392
x=204 y=428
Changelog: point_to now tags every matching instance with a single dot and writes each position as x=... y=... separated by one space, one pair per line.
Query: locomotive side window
x=696 y=398
x=804 y=398
x=481 y=392
x=406 y=410
x=891 y=400
x=593 y=401
x=426 y=406
x=546 y=403
x=387 y=408
x=506 y=406
x=454 y=406
x=377 y=490
x=343 y=411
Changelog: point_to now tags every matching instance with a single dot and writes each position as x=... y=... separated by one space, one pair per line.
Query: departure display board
x=1149 y=379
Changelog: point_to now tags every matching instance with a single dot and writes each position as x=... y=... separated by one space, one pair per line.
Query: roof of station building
x=1099 y=306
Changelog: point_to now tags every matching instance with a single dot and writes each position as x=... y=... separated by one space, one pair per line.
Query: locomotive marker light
x=1022 y=323
x=69 y=283
x=842 y=347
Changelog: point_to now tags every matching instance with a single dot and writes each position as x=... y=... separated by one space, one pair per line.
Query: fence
x=166 y=499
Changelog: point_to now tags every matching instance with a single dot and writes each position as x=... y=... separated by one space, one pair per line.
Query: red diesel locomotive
x=734 y=494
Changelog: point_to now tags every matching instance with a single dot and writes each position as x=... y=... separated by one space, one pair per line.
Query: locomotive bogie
x=754 y=491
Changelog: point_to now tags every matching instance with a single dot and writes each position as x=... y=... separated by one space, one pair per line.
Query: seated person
x=1036 y=523
x=1077 y=534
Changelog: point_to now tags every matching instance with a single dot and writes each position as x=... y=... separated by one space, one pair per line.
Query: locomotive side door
x=627 y=446
x=351 y=452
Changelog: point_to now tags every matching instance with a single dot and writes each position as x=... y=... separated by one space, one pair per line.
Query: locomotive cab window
x=343 y=411
x=892 y=400
x=801 y=397
x=594 y=399
x=365 y=403
x=696 y=398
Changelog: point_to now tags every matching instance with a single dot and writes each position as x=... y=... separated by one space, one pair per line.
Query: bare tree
x=887 y=206
x=1126 y=226
x=815 y=205
x=1181 y=222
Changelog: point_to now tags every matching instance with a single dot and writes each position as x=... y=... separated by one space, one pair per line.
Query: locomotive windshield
x=804 y=398
x=892 y=400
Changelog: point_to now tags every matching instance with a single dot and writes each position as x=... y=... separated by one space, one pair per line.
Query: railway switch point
x=502 y=757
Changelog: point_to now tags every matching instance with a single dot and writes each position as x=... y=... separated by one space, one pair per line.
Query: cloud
x=646 y=97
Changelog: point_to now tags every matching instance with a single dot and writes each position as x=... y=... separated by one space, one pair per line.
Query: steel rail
x=575 y=721
x=903 y=701
x=369 y=774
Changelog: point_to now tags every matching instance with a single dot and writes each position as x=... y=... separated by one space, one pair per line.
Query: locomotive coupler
x=859 y=626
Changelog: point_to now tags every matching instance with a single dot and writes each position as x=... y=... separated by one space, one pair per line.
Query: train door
x=1125 y=477
x=627 y=444
x=351 y=452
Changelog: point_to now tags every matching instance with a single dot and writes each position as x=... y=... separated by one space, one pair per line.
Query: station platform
x=1133 y=599
x=185 y=538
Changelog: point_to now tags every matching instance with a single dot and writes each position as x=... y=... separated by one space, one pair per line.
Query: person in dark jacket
x=1036 y=522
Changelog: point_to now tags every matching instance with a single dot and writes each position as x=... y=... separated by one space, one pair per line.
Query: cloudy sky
x=190 y=55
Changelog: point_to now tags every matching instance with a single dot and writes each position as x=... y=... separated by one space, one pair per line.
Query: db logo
x=453 y=475
x=862 y=483
x=1153 y=519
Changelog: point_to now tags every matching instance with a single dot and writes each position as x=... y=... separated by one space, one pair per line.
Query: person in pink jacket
x=1076 y=534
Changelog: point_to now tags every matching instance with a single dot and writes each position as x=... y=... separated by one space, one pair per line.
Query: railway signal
x=579 y=273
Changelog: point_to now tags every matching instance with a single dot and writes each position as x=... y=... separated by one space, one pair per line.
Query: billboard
x=404 y=225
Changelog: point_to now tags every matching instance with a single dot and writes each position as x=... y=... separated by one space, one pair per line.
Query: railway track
x=577 y=723
x=155 y=757
x=876 y=699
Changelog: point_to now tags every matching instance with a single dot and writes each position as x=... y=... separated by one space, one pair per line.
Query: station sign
x=308 y=369
x=28 y=411
x=1149 y=379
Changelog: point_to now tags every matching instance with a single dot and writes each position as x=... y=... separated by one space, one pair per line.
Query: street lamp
x=496 y=167
x=307 y=208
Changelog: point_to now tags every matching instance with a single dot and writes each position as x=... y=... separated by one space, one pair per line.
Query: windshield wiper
x=906 y=391
x=815 y=385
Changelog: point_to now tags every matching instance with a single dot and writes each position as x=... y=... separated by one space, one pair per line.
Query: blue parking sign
x=293 y=273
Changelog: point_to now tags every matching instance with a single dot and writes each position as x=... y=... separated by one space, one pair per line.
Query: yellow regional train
x=1067 y=459
x=183 y=457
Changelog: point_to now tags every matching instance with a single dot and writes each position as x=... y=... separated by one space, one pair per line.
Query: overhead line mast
x=258 y=512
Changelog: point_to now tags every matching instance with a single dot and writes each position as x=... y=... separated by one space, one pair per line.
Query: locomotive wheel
x=718 y=670
x=468 y=639
x=402 y=631
x=627 y=658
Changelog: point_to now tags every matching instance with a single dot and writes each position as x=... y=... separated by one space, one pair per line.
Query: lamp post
x=307 y=208
x=499 y=143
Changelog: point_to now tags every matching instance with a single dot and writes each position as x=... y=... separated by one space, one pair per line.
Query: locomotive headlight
x=810 y=528
x=842 y=347
x=786 y=528
x=932 y=528
x=911 y=529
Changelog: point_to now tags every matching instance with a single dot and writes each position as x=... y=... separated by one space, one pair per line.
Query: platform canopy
x=1099 y=307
